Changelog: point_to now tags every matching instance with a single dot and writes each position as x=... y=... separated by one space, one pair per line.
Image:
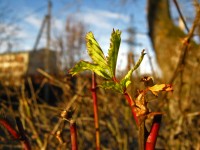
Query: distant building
x=16 y=66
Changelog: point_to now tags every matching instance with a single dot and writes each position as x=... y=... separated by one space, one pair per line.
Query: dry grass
x=47 y=128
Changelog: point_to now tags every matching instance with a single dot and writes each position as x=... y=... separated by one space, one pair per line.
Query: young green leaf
x=95 y=51
x=84 y=65
x=114 y=49
x=140 y=60
x=112 y=86
x=127 y=79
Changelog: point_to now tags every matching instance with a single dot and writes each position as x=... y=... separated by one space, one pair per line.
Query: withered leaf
x=160 y=87
x=141 y=106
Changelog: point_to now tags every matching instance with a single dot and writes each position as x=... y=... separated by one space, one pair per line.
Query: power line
x=20 y=19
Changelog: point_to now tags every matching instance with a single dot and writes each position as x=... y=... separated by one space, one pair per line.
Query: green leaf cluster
x=105 y=66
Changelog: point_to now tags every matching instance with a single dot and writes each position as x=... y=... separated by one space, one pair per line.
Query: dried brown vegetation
x=178 y=56
x=48 y=127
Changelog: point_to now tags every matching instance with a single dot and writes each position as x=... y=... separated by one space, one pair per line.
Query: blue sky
x=99 y=16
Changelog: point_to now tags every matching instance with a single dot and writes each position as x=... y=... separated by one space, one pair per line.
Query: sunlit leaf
x=160 y=87
x=112 y=86
x=95 y=51
x=127 y=79
x=140 y=60
x=84 y=65
x=125 y=82
x=114 y=49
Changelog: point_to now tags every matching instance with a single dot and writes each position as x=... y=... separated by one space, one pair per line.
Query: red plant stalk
x=15 y=134
x=26 y=145
x=131 y=104
x=73 y=135
x=151 y=139
x=96 y=117
x=10 y=129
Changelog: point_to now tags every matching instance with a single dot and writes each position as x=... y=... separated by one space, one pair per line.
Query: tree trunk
x=167 y=40
x=165 y=36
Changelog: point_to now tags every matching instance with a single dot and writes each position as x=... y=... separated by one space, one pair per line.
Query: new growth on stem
x=105 y=66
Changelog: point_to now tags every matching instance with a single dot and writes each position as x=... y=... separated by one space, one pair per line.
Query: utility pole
x=48 y=20
x=39 y=34
x=46 y=23
x=47 y=49
x=131 y=42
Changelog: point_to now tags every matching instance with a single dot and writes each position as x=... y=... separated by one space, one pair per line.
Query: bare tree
x=8 y=28
x=71 y=43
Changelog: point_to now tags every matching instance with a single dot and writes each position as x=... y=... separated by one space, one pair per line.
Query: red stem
x=10 y=129
x=73 y=135
x=115 y=79
x=96 y=117
x=17 y=136
x=151 y=140
x=131 y=104
x=26 y=145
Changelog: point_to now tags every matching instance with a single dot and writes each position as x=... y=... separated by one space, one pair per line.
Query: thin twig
x=185 y=48
x=54 y=81
x=34 y=130
x=181 y=15
x=66 y=109
x=23 y=138
x=151 y=64
x=141 y=135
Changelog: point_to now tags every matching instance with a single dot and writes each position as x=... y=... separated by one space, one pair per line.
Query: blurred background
x=41 y=40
